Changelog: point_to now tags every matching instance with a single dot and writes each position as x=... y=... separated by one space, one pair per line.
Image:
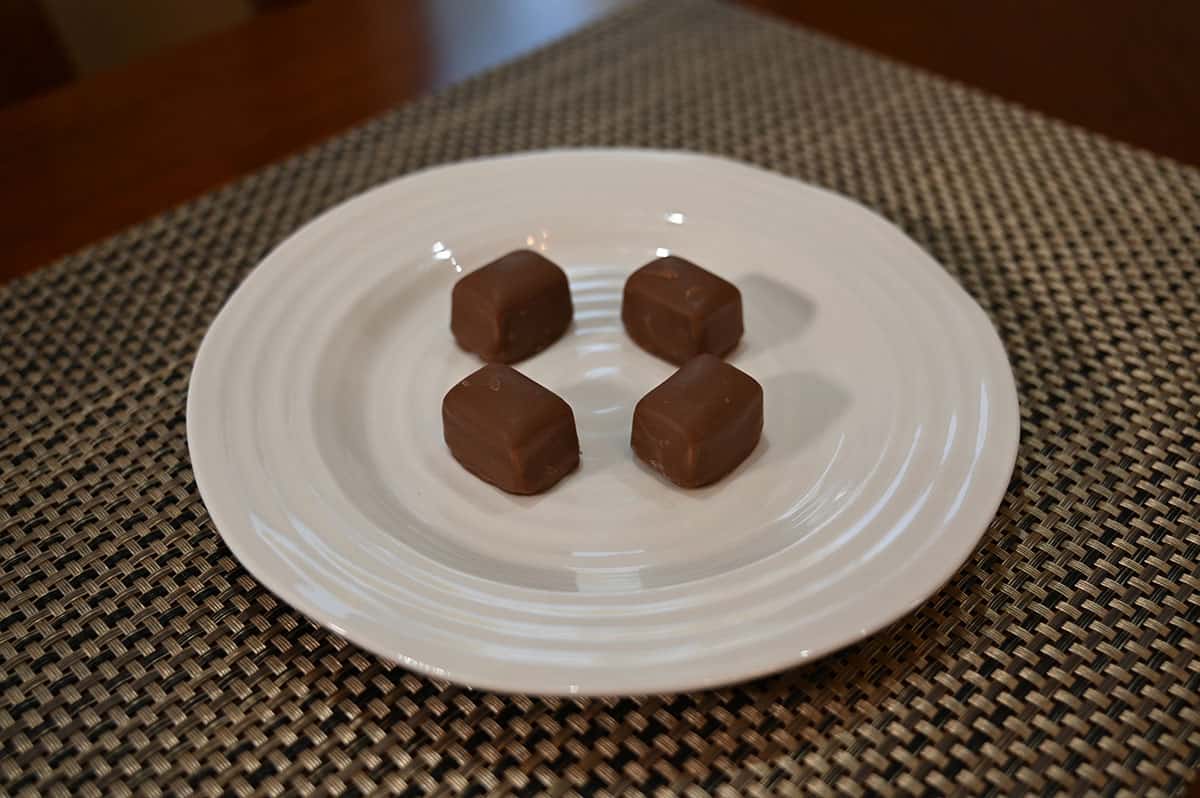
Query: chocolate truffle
x=511 y=308
x=676 y=310
x=507 y=430
x=700 y=424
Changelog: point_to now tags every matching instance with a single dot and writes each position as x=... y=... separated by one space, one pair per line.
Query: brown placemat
x=137 y=656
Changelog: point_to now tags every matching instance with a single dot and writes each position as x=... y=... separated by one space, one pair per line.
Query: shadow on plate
x=775 y=313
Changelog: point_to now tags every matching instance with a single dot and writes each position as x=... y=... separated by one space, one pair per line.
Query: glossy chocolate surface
x=507 y=430
x=676 y=310
x=512 y=308
x=699 y=424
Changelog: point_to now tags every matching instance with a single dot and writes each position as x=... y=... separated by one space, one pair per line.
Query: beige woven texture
x=138 y=657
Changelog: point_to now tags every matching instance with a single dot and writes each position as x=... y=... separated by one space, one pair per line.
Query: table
x=137 y=656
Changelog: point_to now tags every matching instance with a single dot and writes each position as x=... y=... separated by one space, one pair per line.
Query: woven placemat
x=138 y=657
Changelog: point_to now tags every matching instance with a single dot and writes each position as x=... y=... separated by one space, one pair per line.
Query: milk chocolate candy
x=511 y=308
x=507 y=430
x=700 y=424
x=676 y=310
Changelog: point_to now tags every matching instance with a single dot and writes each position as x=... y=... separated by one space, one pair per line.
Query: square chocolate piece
x=507 y=430
x=511 y=308
x=676 y=310
x=700 y=424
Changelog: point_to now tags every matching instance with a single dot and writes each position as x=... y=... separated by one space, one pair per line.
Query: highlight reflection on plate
x=314 y=426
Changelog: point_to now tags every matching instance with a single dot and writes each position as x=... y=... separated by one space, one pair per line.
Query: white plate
x=315 y=430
